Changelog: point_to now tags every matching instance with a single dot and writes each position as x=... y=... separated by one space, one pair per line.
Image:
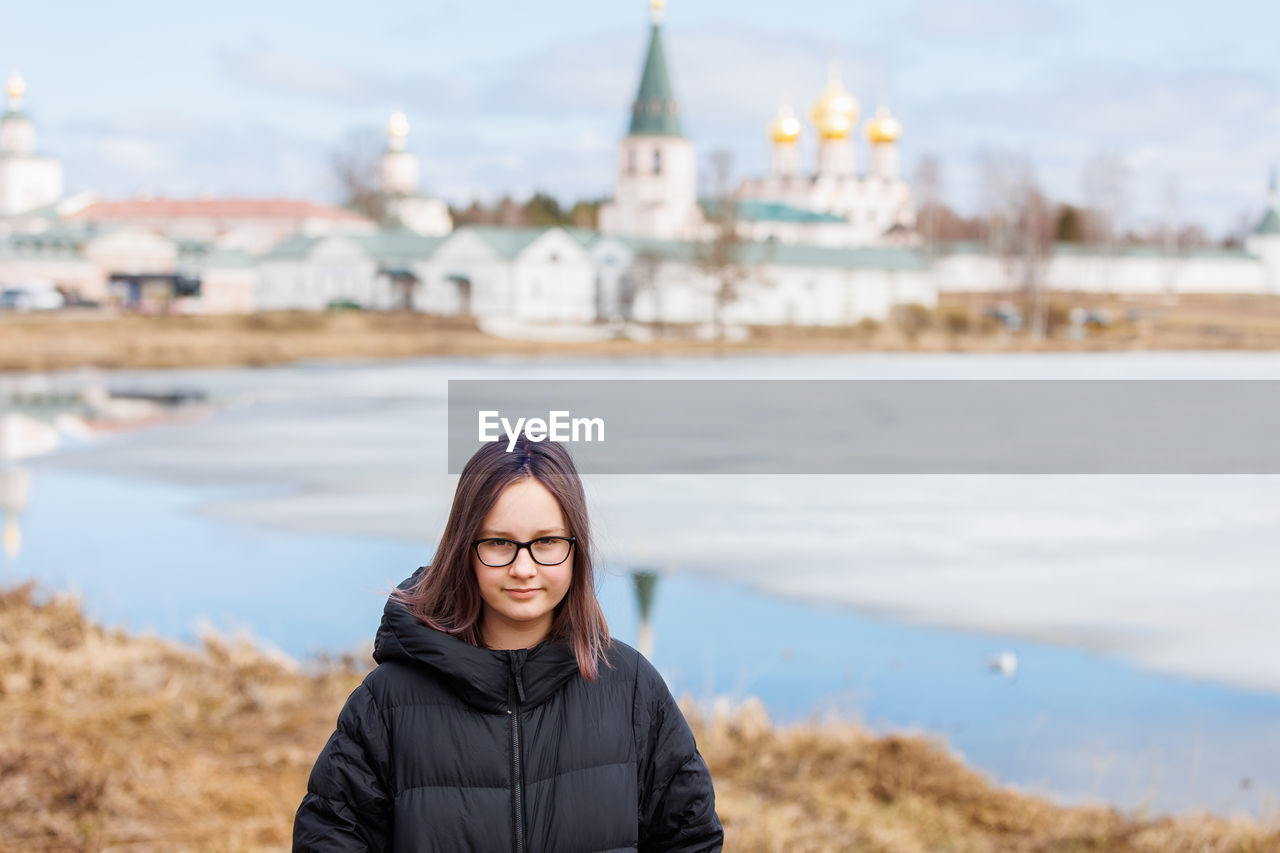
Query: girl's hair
x=446 y=596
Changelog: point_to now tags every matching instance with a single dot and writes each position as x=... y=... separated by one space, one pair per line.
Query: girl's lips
x=527 y=592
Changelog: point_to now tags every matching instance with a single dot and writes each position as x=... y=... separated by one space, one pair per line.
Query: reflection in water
x=646 y=582
x=15 y=486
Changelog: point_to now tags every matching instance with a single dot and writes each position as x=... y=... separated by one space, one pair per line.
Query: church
x=828 y=242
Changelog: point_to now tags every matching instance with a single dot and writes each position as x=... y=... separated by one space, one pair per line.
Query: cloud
x=1213 y=131
x=254 y=160
x=983 y=19
x=291 y=73
x=140 y=156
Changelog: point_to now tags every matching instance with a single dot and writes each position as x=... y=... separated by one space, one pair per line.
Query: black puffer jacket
x=451 y=747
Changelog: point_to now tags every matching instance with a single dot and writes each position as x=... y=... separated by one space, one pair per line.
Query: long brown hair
x=446 y=596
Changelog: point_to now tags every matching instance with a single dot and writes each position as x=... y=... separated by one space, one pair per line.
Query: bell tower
x=655 y=192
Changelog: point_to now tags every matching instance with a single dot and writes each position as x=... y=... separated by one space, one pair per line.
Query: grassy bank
x=69 y=340
x=118 y=742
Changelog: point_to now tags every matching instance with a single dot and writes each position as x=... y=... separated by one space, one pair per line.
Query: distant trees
x=721 y=257
x=540 y=210
x=354 y=165
x=1020 y=228
x=1070 y=224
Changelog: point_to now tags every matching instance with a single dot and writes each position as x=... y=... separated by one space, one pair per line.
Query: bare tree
x=928 y=181
x=1105 y=181
x=721 y=258
x=1171 y=234
x=355 y=168
x=647 y=265
x=1020 y=229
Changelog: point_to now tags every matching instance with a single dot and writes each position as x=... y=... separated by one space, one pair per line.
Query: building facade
x=28 y=180
x=832 y=242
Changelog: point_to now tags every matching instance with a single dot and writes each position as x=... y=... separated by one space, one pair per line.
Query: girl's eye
x=546 y=540
x=499 y=543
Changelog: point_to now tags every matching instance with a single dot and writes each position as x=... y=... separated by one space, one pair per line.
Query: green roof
x=655 y=112
x=222 y=257
x=52 y=242
x=1270 y=223
x=773 y=211
x=586 y=237
x=505 y=240
x=398 y=244
x=774 y=252
x=292 y=247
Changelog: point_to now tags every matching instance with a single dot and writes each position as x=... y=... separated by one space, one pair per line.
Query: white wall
x=335 y=268
x=1101 y=273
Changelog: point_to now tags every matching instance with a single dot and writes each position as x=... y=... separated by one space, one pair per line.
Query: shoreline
x=120 y=739
x=34 y=343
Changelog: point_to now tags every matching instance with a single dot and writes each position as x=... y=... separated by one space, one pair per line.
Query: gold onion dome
x=17 y=88
x=836 y=111
x=883 y=128
x=786 y=127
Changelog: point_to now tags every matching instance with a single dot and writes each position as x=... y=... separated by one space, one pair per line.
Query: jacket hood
x=487 y=679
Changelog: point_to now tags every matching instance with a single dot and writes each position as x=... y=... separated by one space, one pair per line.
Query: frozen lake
x=1139 y=607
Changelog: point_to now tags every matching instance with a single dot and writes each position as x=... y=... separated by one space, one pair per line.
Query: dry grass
x=113 y=742
x=33 y=342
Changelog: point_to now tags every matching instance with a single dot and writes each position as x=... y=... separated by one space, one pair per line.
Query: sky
x=255 y=98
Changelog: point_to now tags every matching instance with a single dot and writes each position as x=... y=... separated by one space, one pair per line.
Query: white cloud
x=138 y=156
x=983 y=19
x=292 y=73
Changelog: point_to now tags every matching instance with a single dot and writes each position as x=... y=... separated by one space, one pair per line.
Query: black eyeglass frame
x=475 y=546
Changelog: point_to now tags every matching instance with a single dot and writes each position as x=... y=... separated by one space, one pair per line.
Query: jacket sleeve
x=677 y=799
x=347 y=806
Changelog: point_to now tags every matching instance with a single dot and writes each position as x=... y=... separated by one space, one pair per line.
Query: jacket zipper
x=517 y=781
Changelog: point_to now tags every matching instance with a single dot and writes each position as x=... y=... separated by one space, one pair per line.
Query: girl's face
x=520 y=599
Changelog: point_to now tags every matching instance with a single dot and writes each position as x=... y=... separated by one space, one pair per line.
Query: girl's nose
x=523 y=566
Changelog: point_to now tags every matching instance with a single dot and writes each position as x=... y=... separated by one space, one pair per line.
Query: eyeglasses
x=545 y=551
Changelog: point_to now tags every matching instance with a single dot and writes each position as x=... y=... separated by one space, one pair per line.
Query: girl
x=501 y=716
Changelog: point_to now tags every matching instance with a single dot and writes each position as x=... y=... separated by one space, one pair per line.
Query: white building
x=398 y=180
x=656 y=192
x=834 y=244
x=792 y=247
x=252 y=225
x=28 y=180
x=832 y=205
x=540 y=275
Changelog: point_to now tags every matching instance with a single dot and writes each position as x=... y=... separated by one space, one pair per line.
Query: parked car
x=1006 y=314
x=31 y=296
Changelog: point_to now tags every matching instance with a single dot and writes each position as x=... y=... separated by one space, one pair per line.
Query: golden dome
x=883 y=128
x=836 y=111
x=656 y=7
x=17 y=88
x=786 y=127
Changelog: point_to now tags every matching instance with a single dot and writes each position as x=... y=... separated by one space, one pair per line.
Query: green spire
x=655 y=112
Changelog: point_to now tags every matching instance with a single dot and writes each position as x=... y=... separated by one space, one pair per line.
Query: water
x=291 y=513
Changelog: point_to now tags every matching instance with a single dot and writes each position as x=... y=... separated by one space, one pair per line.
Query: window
x=657 y=161
x=631 y=161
